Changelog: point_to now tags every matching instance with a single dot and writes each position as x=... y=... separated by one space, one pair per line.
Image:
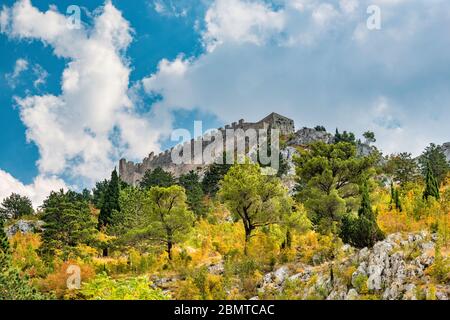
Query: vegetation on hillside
x=215 y=236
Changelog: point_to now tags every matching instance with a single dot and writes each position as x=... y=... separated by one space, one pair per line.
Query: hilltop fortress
x=132 y=173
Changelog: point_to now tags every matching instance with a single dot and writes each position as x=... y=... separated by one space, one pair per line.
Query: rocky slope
x=396 y=268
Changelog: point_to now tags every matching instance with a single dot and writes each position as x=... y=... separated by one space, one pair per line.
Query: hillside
x=339 y=221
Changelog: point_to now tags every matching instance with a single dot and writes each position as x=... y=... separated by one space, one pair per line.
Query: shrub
x=102 y=287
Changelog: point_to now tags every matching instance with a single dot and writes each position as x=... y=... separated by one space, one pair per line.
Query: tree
x=328 y=176
x=13 y=286
x=395 y=198
x=402 y=167
x=434 y=157
x=67 y=222
x=431 y=184
x=110 y=201
x=170 y=218
x=134 y=215
x=16 y=206
x=255 y=199
x=213 y=175
x=362 y=231
x=157 y=178
x=369 y=136
x=344 y=137
x=320 y=128
x=295 y=220
x=194 y=192
x=98 y=193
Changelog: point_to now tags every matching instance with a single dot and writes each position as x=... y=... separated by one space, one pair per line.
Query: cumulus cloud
x=241 y=21
x=36 y=191
x=82 y=132
x=317 y=62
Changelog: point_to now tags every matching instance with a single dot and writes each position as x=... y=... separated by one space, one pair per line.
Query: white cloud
x=41 y=76
x=324 y=13
x=36 y=191
x=317 y=69
x=240 y=22
x=171 y=8
x=20 y=66
x=83 y=132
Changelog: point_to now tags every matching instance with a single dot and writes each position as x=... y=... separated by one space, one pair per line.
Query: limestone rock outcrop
x=24 y=226
x=395 y=268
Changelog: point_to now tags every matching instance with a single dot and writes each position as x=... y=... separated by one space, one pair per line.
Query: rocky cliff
x=397 y=268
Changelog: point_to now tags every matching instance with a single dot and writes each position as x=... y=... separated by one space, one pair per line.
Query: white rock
x=352 y=295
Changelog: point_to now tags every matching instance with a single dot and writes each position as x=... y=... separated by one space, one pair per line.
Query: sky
x=74 y=99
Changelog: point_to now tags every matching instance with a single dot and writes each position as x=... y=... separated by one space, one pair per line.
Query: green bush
x=103 y=287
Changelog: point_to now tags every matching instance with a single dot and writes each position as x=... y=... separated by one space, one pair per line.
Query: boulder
x=24 y=226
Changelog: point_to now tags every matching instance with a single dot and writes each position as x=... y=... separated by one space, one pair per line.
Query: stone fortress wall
x=132 y=173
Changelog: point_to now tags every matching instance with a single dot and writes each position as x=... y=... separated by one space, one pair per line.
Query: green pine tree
x=68 y=222
x=194 y=192
x=110 y=201
x=157 y=178
x=431 y=184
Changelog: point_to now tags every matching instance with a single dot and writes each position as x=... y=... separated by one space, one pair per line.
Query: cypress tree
x=431 y=185
x=397 y=201
x=110 y=201
x=363 y=231
x=395 y=198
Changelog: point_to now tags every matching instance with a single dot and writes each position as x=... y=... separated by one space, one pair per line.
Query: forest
x=217 y=234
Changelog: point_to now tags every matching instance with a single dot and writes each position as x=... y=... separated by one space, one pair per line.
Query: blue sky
x=74 y=101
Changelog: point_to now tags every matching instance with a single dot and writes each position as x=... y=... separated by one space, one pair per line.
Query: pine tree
x=433 y=158
x=16 y=206
x=194 y=192
x=431 y=185
x=68 y=222
x=157 y=178
x=110 y=201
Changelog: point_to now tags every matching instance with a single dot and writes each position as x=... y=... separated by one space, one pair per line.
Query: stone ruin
x=132 y=173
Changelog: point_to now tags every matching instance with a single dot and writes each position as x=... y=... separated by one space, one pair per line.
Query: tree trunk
x=169 y=249
x=105 y=252
x=248 y=233
x=287 y=242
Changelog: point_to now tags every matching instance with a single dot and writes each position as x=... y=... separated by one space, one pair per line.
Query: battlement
x=132 y=173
